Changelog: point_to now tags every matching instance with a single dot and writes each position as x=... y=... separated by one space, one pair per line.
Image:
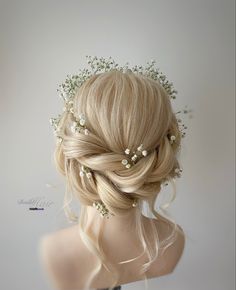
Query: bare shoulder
x=175 y=251
x=56 y=254
x=170 y=257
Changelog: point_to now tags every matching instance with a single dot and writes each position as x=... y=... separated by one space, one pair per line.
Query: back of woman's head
x=122 y=110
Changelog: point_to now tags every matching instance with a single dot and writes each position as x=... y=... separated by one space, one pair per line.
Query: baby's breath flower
x=69 y=87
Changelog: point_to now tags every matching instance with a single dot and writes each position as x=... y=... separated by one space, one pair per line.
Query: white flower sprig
x=68 y=88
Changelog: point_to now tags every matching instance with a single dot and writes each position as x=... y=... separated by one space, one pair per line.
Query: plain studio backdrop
x=193 y=44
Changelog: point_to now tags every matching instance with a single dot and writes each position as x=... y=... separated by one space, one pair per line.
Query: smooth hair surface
x=122 y=110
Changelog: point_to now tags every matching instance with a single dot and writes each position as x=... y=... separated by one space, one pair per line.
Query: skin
x=68 y=262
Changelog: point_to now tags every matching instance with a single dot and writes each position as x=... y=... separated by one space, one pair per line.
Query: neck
x=113 y=223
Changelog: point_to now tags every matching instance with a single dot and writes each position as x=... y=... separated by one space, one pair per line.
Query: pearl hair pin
x=138 y=154
x=104 y=212
x=100 y=206
x=79 y=125
x=85 y=171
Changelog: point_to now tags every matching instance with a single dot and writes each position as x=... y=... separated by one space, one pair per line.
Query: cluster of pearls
x=79 y=125
x=100 y=206
x=138 y=154
x=104 y=212
x=85 y=171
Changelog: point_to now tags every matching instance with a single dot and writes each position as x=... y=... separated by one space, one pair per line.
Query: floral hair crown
x=67 y=92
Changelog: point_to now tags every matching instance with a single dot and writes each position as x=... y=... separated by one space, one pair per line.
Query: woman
x=119 y=141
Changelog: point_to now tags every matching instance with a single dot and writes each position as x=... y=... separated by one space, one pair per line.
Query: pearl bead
x=140 y=147
x=124 y=161
x=128 y=166
x=127 y=151
x=81 y=173
x=144 y=152
x=82 y=122
x=172 y=137
x=134 y=157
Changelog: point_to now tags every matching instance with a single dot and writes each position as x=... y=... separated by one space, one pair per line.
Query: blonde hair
x=123 y=110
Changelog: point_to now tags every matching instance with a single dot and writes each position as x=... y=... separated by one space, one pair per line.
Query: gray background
x=193 y=43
